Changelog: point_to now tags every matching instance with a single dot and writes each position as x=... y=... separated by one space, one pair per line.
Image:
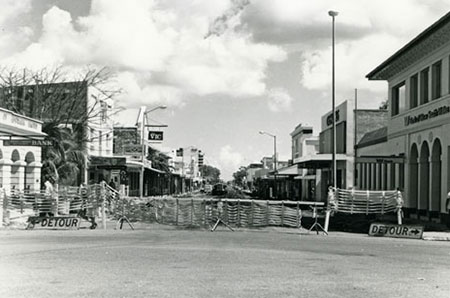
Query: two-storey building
x=418 y=129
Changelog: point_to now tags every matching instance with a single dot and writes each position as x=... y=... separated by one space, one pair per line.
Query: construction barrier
x=102 y=202
x=365 y=202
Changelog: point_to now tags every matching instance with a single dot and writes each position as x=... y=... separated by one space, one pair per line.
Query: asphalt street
x=161 y=261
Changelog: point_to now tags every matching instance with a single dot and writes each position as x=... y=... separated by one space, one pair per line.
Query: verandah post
x=176 y=212
x=239 y=213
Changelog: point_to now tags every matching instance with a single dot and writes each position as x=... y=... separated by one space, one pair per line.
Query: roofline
x=410 y=44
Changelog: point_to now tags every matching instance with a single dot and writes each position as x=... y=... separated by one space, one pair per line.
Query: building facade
x=418 y=77
x=351 y=126
x=74 y=106
x=21 y=139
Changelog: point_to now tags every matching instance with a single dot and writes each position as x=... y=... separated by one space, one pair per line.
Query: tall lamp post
x=333 y=14
x=274 y=160
x=143 y=152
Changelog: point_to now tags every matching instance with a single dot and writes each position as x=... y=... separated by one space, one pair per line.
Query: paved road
x=164 y=262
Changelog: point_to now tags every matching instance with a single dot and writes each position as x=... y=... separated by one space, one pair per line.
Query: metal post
x=333 y=14
x=275 y=192
x=141 y=177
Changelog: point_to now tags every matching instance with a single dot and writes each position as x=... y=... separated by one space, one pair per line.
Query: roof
x=373 y=137
x=381 y=72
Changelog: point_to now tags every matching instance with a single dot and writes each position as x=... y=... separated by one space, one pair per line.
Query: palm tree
x=65 y=160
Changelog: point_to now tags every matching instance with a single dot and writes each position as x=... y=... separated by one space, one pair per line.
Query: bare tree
x=68 y=103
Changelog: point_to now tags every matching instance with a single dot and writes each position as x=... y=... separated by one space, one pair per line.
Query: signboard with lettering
x=428 y=115
x=54 y=223
x=41 y=143
x=396 y=231
x=107 y=161
x=155 y=136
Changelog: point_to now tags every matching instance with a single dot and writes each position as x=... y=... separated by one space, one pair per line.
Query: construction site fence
x=365 y=201
x=196 y=212
x=88 y=200
x=103 y=202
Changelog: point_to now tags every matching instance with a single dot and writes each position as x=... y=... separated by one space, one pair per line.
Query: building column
x=5 y=175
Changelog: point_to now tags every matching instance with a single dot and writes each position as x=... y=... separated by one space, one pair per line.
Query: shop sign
x=107 y=161
x=426 y=116
x=396 y=231
x=330 y=118
x=54 y=223
x=155 y=136
x=40 y=143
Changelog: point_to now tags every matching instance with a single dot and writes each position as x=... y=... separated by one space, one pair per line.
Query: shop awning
x=318 y=161
x=288 y=171
x=305 y=177
x=138 y=164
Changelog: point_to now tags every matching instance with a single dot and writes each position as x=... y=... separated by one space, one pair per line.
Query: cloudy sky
x=226 y=69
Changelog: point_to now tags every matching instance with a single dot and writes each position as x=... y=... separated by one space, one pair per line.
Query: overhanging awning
x=305 y=177
x=137 y=164
x=318 y=161
x=288 y=171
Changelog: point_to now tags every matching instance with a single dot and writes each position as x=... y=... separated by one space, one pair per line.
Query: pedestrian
x=112 y=184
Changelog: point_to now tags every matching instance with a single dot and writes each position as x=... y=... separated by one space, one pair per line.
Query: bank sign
x=396 y=231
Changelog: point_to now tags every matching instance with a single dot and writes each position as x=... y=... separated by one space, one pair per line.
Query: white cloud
x=279 y=100
x=142 y=40
x=229 y=161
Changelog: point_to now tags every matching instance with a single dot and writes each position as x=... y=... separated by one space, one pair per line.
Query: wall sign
x=330 y=118
x=155 y=135
x=396 y=231
x=426 y=116
x=43 y=143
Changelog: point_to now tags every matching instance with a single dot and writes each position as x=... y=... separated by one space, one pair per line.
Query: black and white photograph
x=225 y=148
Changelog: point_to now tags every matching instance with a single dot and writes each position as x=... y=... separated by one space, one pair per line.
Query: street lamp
x=143 y=157
x=333 y=14
x=274 y=160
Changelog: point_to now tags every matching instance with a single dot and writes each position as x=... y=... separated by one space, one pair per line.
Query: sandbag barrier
x=92 y=200
x=192 y=212
x=365 y=202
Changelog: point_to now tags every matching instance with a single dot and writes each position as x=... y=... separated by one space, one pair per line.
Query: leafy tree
x=210 y=173
x=239 y=176
x=159 y=160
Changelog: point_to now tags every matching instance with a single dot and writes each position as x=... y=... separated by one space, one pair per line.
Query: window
x=398 y=99
x=436 y=75
x=413 y=91
x=424 y=86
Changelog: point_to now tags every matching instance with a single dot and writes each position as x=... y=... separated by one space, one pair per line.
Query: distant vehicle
x=208 y=188
x=219 y=189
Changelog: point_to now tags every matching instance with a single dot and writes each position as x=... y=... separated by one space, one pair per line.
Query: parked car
x=219 y=189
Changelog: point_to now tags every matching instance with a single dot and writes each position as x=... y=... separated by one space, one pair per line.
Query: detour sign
x=397 y=231
x=54 y=223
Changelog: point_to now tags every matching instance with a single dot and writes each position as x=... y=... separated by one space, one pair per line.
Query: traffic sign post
x=396 y=231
